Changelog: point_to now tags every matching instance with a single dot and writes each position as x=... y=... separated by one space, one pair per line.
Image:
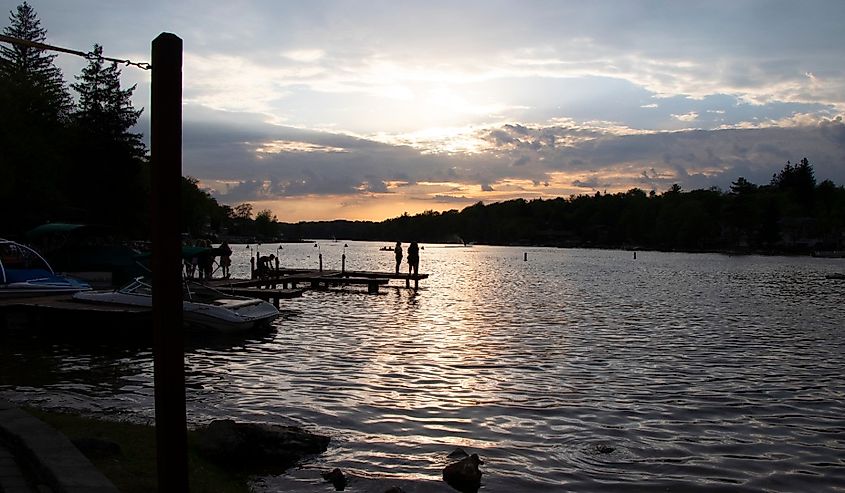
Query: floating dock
x=274 y=285
x=321 y=279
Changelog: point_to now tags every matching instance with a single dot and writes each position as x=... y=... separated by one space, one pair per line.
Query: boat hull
x=42 y=287
x=226 y=314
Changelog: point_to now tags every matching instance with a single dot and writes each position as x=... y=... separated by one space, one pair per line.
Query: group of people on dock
x=201 y=264
x=413 y=257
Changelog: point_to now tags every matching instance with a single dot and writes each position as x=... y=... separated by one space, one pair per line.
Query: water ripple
x=576 y=371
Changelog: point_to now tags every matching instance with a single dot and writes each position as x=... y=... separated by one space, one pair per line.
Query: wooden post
x=343 y=263
x=321 y=263
x=169 y=351
x=252 y=267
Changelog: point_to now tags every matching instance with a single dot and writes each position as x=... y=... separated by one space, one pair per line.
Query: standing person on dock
x=413 y=258
x=225 y=258
x=397 y=250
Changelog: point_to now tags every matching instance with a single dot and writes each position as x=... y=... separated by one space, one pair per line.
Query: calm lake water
x=576 y=370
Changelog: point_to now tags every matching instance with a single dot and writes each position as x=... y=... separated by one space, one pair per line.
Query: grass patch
x=134 y=469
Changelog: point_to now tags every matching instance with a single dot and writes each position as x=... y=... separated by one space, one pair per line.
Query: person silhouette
x=413 y=258
x=397 y=250
x=264 y=265
x=225 y=258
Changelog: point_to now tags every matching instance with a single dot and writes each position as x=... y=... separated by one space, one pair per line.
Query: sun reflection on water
x=576 y=367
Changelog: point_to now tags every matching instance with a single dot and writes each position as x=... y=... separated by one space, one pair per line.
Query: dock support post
x=321 y=262
x=343 y=264
x=252 y=268
x=169 y=350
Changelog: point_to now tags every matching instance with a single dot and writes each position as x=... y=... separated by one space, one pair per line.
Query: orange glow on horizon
x=444 y=196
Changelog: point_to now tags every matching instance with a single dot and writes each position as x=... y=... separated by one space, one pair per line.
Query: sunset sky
x=366 y=110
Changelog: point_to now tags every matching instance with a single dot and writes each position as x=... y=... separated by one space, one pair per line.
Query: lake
x=573 y=370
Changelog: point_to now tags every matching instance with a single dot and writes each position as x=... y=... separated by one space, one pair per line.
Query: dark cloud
x=522 y=161
x=323 y=163
x=592 y=182
x=374 y=185
x=450 y=199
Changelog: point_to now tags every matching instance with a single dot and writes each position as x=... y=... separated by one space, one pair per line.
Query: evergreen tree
x=105 y=110
x=34 y=105
x=108 y=169
x=29 y=72
x=799 y=181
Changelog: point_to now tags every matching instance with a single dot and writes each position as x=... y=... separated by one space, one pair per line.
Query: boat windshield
x=191 y=291
x=138 y=286
x=16 y=259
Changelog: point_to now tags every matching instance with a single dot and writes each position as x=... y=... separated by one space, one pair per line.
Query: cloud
x=358 y=100
x=235 y=159
x=522 y=161
x=591 y=182
x=449 y=199
x=687 y=117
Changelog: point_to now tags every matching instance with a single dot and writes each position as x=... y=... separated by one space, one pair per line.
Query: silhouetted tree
x=201 y=214
x=34 y=105
x=29 y=73
x=104 y=109
x=107 y=169
x=266 y=224
x=742 y=186
x=799 y=181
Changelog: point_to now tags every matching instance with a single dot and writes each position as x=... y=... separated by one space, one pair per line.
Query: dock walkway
x=322 y=279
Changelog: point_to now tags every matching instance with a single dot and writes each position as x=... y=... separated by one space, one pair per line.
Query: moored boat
x=203 y=307
x=24 y=272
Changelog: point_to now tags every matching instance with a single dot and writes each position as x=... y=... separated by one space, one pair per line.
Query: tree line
x=791 y=214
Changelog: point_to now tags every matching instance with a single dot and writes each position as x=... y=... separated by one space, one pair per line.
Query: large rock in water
x=257 y=447
x=464 y=475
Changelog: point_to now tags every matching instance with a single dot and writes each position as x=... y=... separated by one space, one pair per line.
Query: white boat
x=24 y=273
x=203 y=307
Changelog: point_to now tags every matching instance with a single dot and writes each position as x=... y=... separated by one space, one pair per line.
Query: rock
x=464 y=475
x=458 y=453
x=395 y=489
x=257 y=447
x=97 y=448
x=336 y=478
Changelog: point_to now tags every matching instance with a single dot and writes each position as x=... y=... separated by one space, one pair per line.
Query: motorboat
x=203 y=307
x=24 y=272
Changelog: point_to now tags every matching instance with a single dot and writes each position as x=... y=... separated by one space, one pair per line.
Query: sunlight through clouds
x=390 y=107
x=279 y=146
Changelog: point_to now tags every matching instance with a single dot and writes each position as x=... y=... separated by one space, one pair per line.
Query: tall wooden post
x=169 y=351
